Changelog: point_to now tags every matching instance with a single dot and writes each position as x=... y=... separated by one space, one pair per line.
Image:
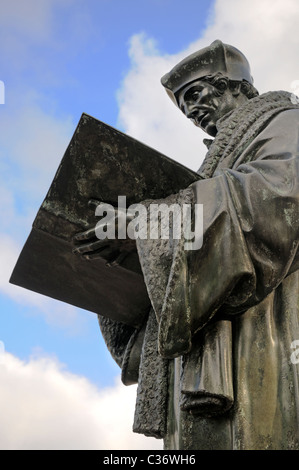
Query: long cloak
x=215 y=360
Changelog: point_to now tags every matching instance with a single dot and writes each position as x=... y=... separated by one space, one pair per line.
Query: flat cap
x=218 y=57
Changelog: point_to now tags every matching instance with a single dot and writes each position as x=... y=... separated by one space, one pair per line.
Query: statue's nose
x=191 y=110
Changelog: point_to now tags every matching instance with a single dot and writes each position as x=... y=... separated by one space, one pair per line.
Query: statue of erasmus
x=214 y=360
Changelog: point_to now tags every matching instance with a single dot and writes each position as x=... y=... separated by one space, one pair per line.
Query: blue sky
x=76 y=65
x=60 y=58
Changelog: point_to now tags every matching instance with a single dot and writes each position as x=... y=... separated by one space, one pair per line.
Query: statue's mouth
x=202 y=117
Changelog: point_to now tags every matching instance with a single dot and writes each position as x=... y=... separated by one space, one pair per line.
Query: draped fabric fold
x=207 y=372
x=150 y=412
x=173 y=275
x=203 y=299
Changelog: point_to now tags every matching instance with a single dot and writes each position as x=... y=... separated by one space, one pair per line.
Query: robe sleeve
x=250 y=237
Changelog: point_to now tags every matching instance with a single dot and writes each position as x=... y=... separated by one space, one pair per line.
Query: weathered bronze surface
x=100 y=163
x=213 y=355
x=216 y=368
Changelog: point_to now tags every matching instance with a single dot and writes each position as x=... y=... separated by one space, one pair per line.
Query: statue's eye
x=195 y=94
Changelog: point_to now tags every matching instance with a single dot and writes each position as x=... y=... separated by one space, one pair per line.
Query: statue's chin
x=210 y=129
x=207 y=126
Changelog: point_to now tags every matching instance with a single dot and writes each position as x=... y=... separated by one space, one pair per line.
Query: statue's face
x=200 y=103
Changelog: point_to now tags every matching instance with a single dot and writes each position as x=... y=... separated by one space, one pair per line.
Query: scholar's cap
x=218 y=57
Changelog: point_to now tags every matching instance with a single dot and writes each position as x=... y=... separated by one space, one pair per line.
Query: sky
x=59 y=386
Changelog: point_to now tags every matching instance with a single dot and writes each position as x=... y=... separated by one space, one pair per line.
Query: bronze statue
x=213 y=359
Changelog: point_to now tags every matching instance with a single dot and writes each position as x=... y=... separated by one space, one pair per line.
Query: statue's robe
x=215 y=361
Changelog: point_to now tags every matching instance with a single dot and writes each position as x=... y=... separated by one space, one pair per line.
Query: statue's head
x=210 y=83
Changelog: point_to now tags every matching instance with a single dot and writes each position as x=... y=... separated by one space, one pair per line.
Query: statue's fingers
x=87 y=235
x=94 y=202
x=107 y=254
x=90 y=247
x=118 y=261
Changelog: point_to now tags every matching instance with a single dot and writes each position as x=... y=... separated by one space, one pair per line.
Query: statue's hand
x=113 y=250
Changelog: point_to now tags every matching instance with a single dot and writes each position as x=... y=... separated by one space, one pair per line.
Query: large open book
x=100 y=163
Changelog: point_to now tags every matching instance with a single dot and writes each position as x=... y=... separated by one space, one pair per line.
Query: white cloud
x=42 y=406
x=266 y=32
x=145 y=111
